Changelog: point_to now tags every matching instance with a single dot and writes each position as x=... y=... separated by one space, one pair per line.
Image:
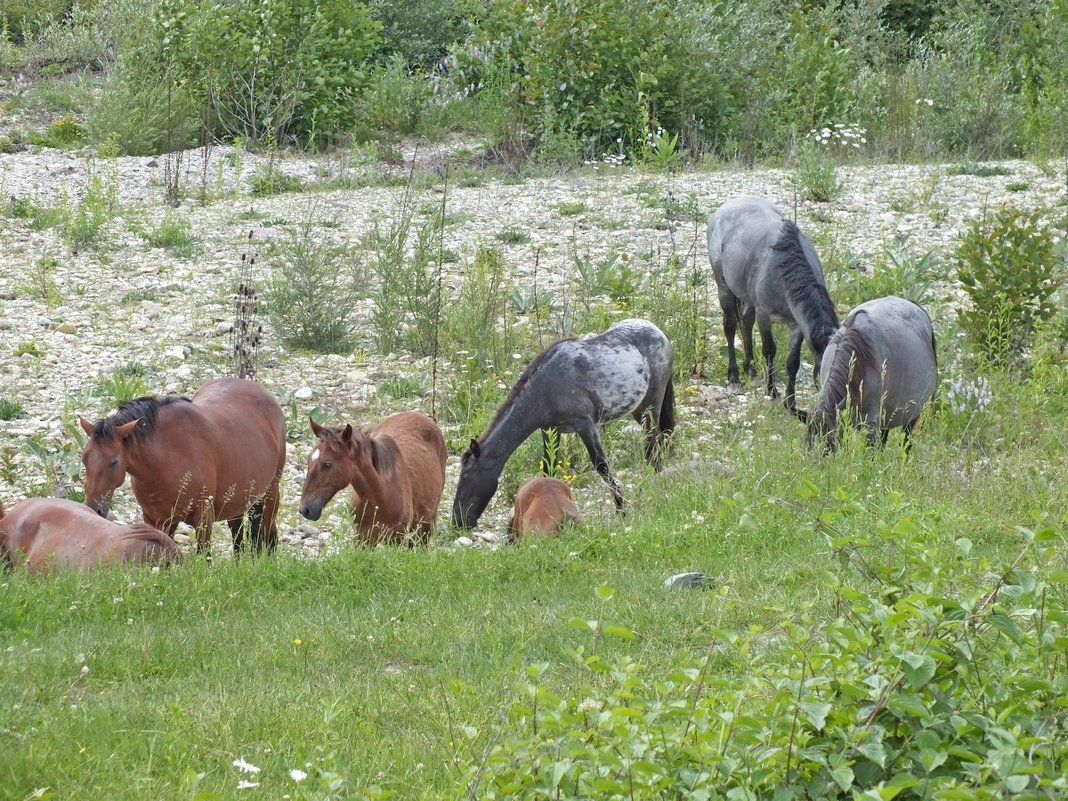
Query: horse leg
x=793 y=365
x=269 y=519
x=587 y=431
x=767 y=348
x=748 y=319
x=729 y=304
x=907 y=428
x=237 y=531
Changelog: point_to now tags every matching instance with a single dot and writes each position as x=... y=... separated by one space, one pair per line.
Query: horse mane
x=802 y=288
x=383 y=449
x=521 y=383
x=852 y=358
x=146 y=409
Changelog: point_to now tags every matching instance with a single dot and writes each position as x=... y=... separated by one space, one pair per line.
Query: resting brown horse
x=43 y=534
x=215 y=457
x=542 y=505
x=396 y=471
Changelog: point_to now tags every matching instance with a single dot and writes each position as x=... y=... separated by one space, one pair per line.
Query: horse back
x=902 y=338
x=542 y=505
x=421 y=455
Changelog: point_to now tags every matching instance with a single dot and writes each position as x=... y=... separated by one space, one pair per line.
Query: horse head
x=478 y=481
x=823 y=426
x=104 y=457
x=330 y=467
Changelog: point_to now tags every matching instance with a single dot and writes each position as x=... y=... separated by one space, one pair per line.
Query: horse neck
x=521 y=417
x=375 y=490
x=818 y=322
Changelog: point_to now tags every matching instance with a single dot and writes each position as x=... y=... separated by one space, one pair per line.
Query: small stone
x=691 y=580
x=488 y=536
x=463 y=542
x=152 y=310
x=67 y=328
x=181 y=539
x=177 y=353
x=304 y=393
x=224 y=328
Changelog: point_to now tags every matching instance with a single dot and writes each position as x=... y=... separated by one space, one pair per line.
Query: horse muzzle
x=101 y=506
x=312 y=510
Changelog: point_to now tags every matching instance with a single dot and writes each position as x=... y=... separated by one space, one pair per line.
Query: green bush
x=420 y=32
x=287 y=69
x=313 y=290
x=22 y=18
x=1007 y=265
x=890 y=697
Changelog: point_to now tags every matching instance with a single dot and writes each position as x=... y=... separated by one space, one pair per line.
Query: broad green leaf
x=875 y=752
x=618 y=631
x=816 y=713
x=605 y=592
x=1017 y=783
x=1006 y=625
x=843 y=777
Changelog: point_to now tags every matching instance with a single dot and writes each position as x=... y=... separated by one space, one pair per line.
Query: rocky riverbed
x=70 y=318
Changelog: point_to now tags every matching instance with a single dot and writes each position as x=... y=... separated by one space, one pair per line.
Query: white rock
x=304 y=393
x=176 y=353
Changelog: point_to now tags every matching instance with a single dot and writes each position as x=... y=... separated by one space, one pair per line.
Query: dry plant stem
x=436 y=344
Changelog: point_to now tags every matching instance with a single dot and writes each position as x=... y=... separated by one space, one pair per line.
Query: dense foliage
x=571 y=79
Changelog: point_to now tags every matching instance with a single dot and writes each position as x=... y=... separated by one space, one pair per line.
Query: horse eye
x=113 y=462
x=326 y=465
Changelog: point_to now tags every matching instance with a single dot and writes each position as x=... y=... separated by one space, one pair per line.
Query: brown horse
x=542 y=505
x=215 y=457
x=48 y=533
x=396 y=471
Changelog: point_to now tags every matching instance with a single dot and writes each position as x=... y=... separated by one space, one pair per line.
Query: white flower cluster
x=844 y=134
x=653 y=138
x=968 y=396
x=924 y=101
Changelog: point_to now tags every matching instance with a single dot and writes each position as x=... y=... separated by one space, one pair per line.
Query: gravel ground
x=128 y=302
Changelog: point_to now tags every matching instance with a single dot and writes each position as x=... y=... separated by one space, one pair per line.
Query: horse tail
x=666 y=423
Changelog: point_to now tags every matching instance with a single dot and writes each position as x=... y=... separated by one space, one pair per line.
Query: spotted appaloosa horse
x=576 y=386
x=46 y=534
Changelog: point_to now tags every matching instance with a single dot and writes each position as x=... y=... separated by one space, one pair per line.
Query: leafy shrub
x=291 y=69
x=10 y=409
x=126 y=383
x=888 y=697
x=174 y=232
x=21 y=18
x=313 y=290
x=271 y=180
x=1007 y=265
x=815 y=173
x=419 y=32
x=477 y=322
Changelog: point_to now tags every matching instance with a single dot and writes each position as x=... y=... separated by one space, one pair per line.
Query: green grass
x=393 y=668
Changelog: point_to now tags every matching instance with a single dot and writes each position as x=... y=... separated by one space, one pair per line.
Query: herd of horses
x=219 y=455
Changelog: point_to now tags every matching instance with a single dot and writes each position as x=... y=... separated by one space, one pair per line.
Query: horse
x=576 y=386
x=882 y=362
x=215 y=456
x=396 y=471
x=43 y=534
x=543 y=505
x=767 y=271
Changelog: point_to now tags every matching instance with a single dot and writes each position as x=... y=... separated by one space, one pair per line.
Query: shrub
x=10 y=409
x=174 y=232
x=291 y=69
x=313 y=290
x=815 y=173
x=1007 y=265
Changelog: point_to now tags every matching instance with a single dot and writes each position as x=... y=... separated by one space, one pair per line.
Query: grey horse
x=881 y=364
x=767 y=271
x=576 y=386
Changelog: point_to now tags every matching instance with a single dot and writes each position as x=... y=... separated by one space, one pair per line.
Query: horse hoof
x=735 y=388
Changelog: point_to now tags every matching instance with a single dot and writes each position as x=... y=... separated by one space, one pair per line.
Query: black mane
x=853 y=358
x=802 y=287
x=146 y=409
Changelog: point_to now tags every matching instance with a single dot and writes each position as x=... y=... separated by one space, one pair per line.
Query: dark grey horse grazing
x=882 y=364
x=576 y=386
x=767 y=271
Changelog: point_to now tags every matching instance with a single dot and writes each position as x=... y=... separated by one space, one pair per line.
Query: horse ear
x=475 y=448
x=346 y=435
x=315 y=427
x=87 y=427
x=126 y=429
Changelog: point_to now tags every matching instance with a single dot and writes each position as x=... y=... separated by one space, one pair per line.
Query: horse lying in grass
x=45 y=534
x=216 y=456
x=542 y=505
x=576 y=386
x=767 y=271
x=882 y=365
x=396 y=471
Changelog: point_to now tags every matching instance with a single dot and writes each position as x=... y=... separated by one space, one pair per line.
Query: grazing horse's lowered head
x=480 y=479
x=104 y=458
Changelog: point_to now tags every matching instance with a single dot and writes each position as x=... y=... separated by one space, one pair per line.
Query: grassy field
x=394 y=673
